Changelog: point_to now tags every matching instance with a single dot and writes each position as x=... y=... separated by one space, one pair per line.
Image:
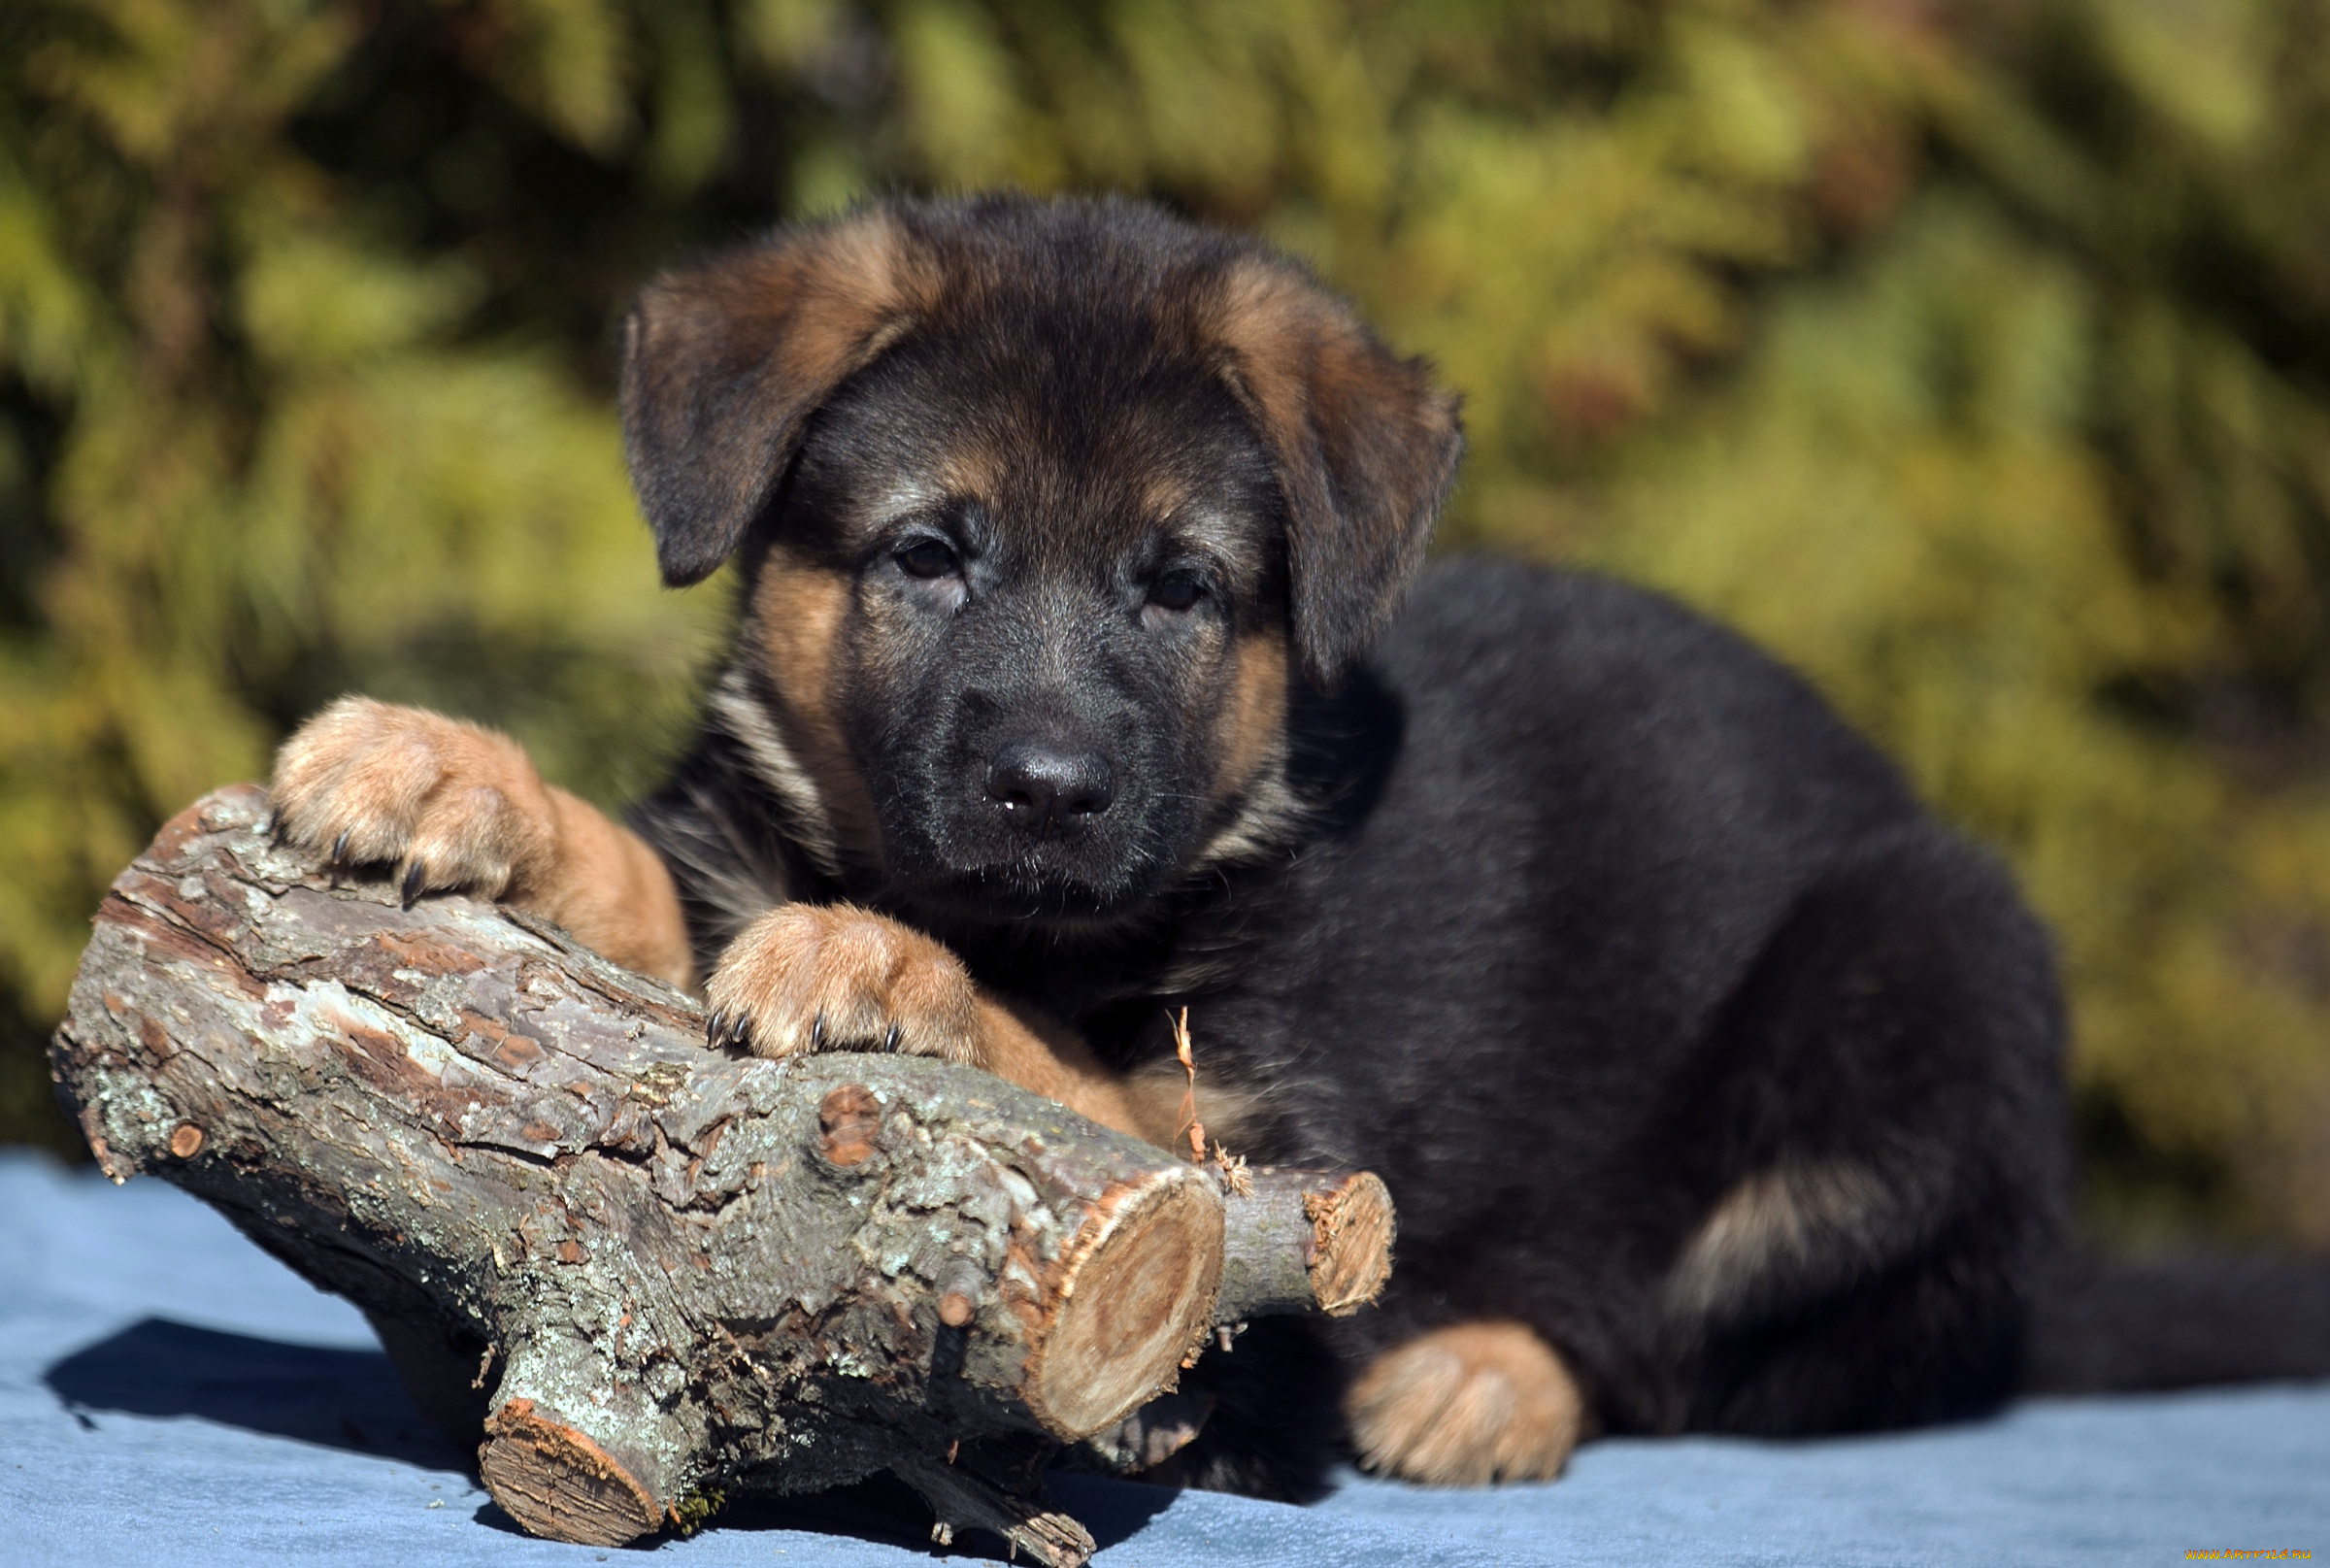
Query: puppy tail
x=2185 y=1322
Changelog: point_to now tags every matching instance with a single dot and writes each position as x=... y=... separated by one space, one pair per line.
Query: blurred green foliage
x=1971 y=355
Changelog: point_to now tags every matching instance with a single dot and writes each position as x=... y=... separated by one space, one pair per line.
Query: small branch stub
x=558 y=1483
x=964 y=1500
x=1305 y=1242
x=848 y=1121
x=186 y=1142
x=960 y=1287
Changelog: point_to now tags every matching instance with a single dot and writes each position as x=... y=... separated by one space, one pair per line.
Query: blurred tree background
x=1974 y=356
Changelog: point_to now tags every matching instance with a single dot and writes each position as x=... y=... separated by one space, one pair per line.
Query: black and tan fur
x=1718 y=1086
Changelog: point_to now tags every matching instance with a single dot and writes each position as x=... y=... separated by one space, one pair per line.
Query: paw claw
x=446 y=806
x=833 y=978
x=715 y=1028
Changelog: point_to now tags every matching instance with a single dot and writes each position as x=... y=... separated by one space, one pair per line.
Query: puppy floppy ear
x=1365 y=445
x=724 y=362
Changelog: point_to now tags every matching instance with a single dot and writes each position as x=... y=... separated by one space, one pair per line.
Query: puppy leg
x=1466 y=1405
x=1874 y=1136
x=454 y=808
x=820 y=977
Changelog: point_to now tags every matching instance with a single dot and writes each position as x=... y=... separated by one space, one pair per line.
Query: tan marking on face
x=798 y=614
x=1250 y=732
x=971 y=472
x=1162 y=493
x=1466 y=1405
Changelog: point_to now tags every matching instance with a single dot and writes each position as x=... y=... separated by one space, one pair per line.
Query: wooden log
x=646 y=1272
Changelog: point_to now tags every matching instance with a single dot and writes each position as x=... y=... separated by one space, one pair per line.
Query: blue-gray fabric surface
x=170 y=1394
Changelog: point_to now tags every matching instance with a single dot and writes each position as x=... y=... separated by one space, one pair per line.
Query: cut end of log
x=1350 y=1235
x=1134 y=1290
x=560 y=1484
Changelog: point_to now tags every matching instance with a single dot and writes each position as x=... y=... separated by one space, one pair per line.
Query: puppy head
x=1039 y=503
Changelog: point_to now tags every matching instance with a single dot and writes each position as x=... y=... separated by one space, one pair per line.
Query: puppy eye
x=1177 y=592
x=927 y=560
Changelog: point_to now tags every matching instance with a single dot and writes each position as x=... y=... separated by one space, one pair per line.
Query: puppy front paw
x=1467 y=1405
x=812 y=976
x=453 y=808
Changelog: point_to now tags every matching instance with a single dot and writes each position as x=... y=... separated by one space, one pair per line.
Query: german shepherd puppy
x=1718 y=1086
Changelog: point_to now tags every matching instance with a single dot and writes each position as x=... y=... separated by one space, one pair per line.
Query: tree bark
x=649 y=1272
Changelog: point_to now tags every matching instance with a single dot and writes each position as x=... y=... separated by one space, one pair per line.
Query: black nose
x=1042 y=783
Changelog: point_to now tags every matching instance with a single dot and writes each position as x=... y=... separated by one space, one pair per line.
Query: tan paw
x=814 y=976
x=451 y=807
x=1467 y=1405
